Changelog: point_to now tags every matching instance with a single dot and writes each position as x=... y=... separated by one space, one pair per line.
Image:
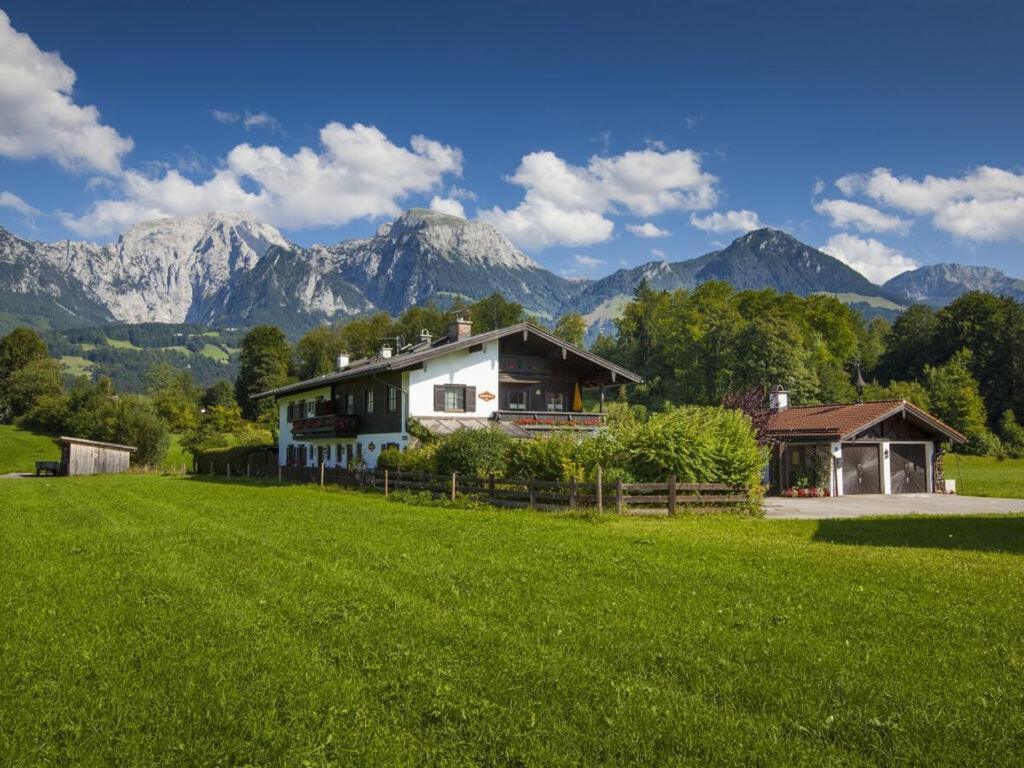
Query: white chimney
x=385 y=351
x=425 y=336
x=778 y=399
x=342 y=361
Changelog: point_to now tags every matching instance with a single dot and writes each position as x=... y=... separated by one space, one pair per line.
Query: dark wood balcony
x=541 y=420
x=325 y=426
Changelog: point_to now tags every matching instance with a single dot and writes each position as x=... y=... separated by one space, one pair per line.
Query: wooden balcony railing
x=326 y=426
x=552 y=419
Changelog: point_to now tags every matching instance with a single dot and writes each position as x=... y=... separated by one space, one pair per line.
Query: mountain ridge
x=232 y=270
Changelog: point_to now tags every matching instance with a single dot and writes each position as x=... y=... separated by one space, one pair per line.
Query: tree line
x=964 y=362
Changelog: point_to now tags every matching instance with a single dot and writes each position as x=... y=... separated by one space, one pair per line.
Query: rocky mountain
x=939 y=284
x=764 y=258
x=231 y=270
x=427 y=255
x=168 y=270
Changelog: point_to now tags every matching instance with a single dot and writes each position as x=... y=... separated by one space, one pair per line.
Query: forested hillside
x=124 y=353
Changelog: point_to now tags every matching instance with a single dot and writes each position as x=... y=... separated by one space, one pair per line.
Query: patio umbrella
x=577 y=398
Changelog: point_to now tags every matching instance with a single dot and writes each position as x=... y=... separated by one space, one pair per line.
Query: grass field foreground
x=19 y=449
x=986 y=475
x=171 y=621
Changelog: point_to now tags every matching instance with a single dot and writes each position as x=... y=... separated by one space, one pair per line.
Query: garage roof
x=842 y=421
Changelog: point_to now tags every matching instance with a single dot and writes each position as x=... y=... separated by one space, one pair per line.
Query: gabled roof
x=843 y=421
x=420 y=353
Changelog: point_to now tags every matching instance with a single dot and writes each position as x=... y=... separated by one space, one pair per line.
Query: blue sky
x=596 y=136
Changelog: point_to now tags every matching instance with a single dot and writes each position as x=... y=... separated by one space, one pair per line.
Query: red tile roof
x=844 y=420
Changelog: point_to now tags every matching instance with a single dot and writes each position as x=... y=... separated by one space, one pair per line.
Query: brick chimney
x=460 y=328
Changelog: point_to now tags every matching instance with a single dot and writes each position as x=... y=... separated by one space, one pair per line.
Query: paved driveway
x=900 y=504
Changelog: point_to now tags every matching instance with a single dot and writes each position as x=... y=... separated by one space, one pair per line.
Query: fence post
x=228 y=469
x=672 y=495
x=618 y=495
x=279 y=472
x=211 y=467
x=321 y=475
x=572 y=493
x=454 y=481
x=600 y=490
x=533 y=492
x=248 y=469
x=385 y=483
x=490 y=488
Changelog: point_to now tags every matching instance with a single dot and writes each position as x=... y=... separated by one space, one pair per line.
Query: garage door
x=861 y=469
x=908 y=468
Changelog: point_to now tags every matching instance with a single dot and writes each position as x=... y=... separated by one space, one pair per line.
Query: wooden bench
x=50 y=467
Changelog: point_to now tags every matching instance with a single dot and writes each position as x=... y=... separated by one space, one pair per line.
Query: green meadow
x=986 y=475
x=154 y=620
x=19 y=449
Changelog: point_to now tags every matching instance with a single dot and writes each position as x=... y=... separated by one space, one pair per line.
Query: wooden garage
x=882 y=447
x=90 y=457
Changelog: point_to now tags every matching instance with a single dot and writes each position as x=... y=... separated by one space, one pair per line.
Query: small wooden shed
x=89 y=457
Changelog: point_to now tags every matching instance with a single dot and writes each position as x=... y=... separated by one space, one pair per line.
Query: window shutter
x=469 y=400
x=438 y=397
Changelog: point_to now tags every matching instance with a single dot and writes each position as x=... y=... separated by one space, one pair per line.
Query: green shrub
x=697 y=444
x=1013 y=435
x=477 y=452
x=417 y=459
x=567 y=456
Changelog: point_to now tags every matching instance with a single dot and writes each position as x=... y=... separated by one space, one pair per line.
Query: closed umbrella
x=577 y=398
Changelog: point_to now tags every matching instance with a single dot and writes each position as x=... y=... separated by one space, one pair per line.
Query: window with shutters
x=368 y=401
x=350 y=403
x=392 y=404
x=454 y=398
x=311 y=409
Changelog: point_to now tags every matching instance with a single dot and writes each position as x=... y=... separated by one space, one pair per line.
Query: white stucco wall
x=471 y=369
x=284 y=427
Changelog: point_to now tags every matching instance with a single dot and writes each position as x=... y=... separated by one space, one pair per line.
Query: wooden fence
x=668 y=497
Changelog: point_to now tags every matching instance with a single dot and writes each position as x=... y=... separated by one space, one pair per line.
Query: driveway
x=865 y=505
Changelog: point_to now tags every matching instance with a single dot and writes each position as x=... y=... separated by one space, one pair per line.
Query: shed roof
x=94 y=443
x=422 y=352
x=842 y=421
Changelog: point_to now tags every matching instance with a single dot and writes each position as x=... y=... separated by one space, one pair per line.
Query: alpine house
x=519 y=379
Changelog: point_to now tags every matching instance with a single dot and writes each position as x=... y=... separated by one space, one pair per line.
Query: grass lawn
x=19 y=450
x=76 y=365
x=176 y=455
x=215 y=353
x=986 y=476
x=151 y=620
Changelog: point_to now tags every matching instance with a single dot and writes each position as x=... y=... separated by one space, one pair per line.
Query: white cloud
x=876 y=261
x=985 y=203
x=447 y=205
x=248 y=119
x=819 y=187
x=567 y=204
x=730 y=221
x=224 y=117
x=539 y=223
x=11 y=200
x=658 y=253
x=587 y=262
x=260 y=120
x=847 y=213
x=357 y=173
x=38 y=117
x=647 y=229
